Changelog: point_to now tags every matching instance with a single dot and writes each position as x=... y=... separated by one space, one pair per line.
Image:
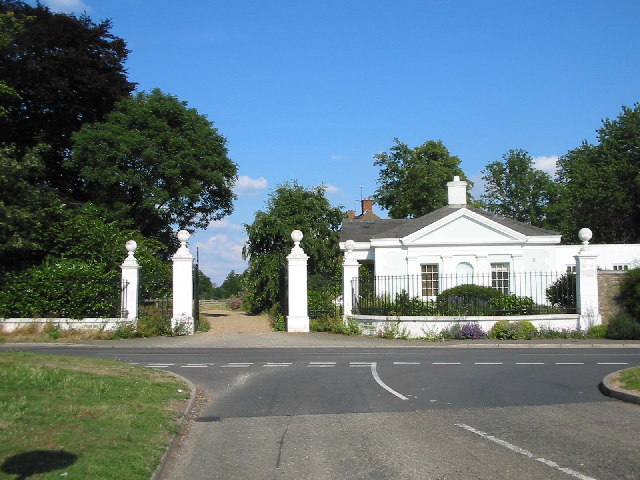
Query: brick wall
x=608 y=289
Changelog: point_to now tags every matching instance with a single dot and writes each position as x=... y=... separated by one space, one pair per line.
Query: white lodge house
x=460 y=244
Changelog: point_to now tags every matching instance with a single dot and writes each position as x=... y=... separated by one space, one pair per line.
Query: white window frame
x=429 y=279
x=500 y=276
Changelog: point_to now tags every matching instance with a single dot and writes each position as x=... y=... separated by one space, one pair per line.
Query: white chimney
x=457 y=191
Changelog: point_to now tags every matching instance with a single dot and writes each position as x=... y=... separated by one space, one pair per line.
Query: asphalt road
x=406 y=413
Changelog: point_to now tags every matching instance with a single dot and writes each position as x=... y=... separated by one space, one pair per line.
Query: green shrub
x=511 y=304
x=597 y=331
x=125 y=330
x=467 y=299
x=203 y=324
x=335 y=325
x=623 y=326
x=391 y=330
x=277 y=320
x=630 y=293
x=562 y=292
x=67 y=288
x=152 y=323
x=519 y=330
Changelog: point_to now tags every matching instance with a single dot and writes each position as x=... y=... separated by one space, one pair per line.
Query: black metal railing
x=527 y=293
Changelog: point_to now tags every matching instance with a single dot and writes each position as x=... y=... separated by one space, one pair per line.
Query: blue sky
x=311 y=90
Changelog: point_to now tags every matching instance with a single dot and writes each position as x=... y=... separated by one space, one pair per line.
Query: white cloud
x=546 y=164
x=249 y=187
x=225 y=225
x=68 y=6
x=328 y=188
x=220 y=254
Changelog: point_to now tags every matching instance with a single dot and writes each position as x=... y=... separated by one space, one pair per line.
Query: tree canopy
x=65 y=71
x=601 y=182
x=157 y=162
x=413 y=181
x=516 y=189
x=289 y=207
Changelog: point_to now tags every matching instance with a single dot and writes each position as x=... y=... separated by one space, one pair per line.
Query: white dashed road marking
x=237 y=365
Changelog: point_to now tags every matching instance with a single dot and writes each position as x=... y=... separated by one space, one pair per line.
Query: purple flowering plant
x=471 y=331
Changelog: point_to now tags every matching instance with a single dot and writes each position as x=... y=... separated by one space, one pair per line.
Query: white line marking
x=406 y=363
x=237 y=365
x=488 y=363
x=524 y=452
x=377 y=378
x=195 y=366
x=322 y=363
x=277 y=364
x=325 y=366
x=569 y=363
x=158 y=366
x=529 y=363
x=361 y=364
x=613 y=363
x=446 y=363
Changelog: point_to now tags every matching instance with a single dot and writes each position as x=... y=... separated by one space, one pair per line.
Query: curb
x=607 y=388
x=182 y=422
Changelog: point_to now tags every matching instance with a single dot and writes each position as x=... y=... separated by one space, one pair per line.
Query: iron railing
x=527 y=293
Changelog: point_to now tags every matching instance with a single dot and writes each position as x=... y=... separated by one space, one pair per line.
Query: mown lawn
x=79 y=418
x=630 y=378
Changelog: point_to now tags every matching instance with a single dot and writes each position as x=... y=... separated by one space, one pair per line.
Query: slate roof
x=365 y=230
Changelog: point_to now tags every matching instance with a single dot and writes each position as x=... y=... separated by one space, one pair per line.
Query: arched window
x=464 y=273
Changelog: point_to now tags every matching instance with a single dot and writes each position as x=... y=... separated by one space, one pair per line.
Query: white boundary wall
x=419 y=327
x=8 y=325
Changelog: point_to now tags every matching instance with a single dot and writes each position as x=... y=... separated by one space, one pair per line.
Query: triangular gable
x=464 y=227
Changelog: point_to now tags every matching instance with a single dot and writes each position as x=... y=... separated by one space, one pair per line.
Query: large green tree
x=63 y=71
x=289 y=207
x=516 y=189
x=601 y=182
x=157 y=162
x=413 y=181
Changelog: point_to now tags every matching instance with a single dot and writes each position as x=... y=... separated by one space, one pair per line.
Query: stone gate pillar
x=350 y=267
x=183 y=287
x=587 y=283
x=298 y=318
x=130 y=275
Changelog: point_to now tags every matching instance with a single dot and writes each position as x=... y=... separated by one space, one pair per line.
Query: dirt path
x=227 y=322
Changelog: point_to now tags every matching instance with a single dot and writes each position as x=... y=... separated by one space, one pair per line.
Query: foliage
x=66 y=71
x=601 y=182
x=391 y=330
x=204 y=325
x=562 y=292
x=623 y=326
x=516 y=189
x=277 y=320
x=512 y=304
x=412 y=181
x=630 y=292
x=234 y=303
x=115 y=418
x=467 y=299
x=334 y=324
x=470 y=331
x=62 y=288
x=233 y=284
x=29 y=210
x=157 y=162
x=206 y=288
x=597 y=331
x=289 y=207
x=152 y=322
x=506 y=330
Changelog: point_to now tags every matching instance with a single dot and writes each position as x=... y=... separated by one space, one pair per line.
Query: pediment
x=464 y=227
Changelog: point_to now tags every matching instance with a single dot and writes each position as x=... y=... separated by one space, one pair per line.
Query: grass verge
x=630 y=379
x=80 y=418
